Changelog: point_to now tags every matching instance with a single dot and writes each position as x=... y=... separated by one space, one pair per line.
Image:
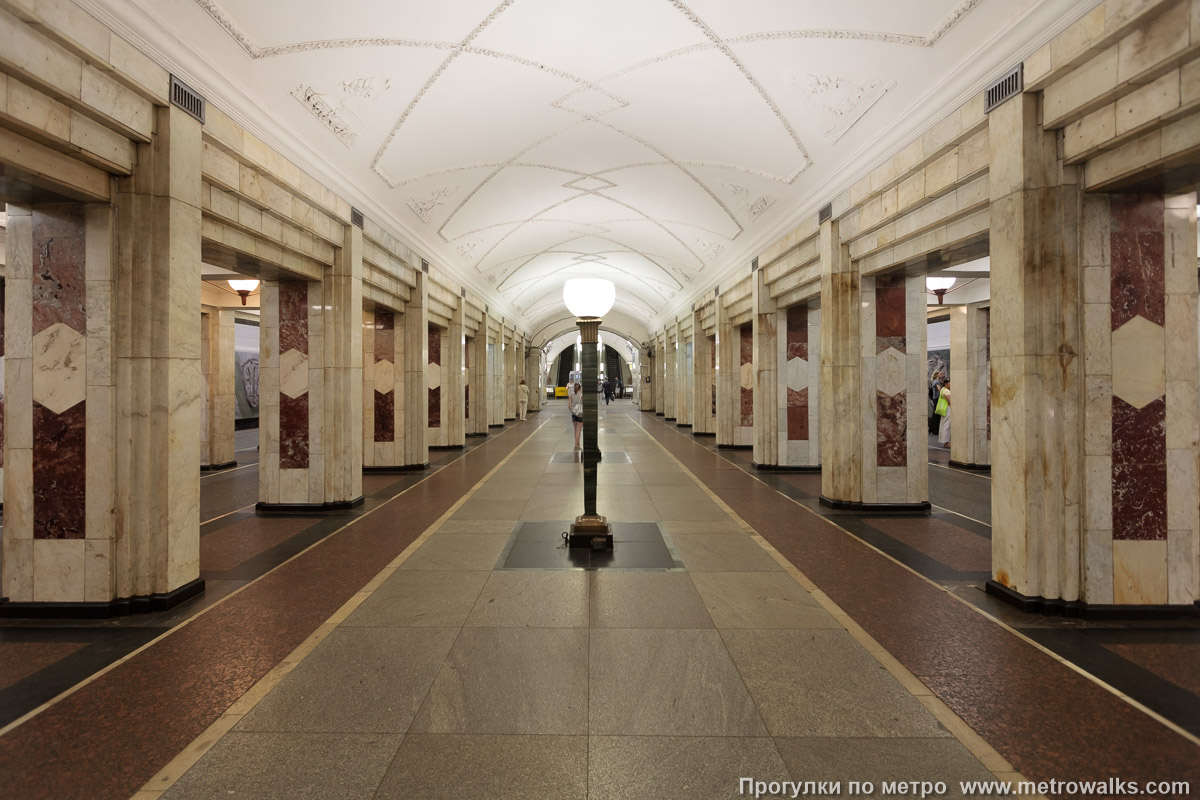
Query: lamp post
x=589 y=299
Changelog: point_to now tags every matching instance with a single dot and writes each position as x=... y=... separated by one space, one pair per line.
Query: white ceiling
x=653 y=142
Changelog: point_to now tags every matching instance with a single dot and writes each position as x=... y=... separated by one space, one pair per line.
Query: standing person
x=944 y=427
x=522 y=398
x=575 y=406
x=607 y=391
x=935 y=391
x=620 y=388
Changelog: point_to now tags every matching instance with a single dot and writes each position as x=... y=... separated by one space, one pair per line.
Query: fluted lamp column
x=589 y=299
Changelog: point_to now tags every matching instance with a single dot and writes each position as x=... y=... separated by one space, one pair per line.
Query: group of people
x=939 y=407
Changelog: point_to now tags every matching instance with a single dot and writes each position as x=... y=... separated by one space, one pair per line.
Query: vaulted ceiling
x=653 y=142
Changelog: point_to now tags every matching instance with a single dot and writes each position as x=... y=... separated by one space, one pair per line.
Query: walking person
x=575 y=406
x=944 y=409
x=522 y=399
x=608 y=394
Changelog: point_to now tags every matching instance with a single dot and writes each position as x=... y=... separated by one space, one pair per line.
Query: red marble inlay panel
x=891 y=441
x=385 y=416
x=890 y=318
x=1139 y=478
x=293 y=316
x=293 y=431
x=385 y=336
x=797 y=332
x=59 y=456
x=435 y=407
x=1136 y=244
x=59 y=280
x=435 y=345
x=746 y=352
x=797 y=415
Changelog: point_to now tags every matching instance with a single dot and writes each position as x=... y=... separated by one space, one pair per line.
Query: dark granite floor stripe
x=104 y=741
x=1048 y=720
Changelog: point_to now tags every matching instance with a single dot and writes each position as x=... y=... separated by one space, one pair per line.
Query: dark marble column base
x=496 y=425
x=215 y=467
x=704 y=433
x=668 y=419
x=389 y=469
x=121 y=607
x=785 y=467
x=734 y=446
x=974 y=467
x=480 y=433
x=683 y=424
x=284 y=509
x=1090 y=611
x=921 y=508
x=446 y=446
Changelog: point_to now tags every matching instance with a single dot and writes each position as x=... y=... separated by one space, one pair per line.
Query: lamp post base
x=590 y=531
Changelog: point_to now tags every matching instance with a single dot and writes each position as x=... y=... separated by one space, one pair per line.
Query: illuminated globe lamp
x=243 y=288
x=589 y=299
x=939 y=286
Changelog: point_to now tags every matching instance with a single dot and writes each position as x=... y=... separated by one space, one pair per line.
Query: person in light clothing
x=575 y=406
x=522 y=399
x=944 y=427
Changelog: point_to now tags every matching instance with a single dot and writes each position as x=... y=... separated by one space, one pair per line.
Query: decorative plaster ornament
x=842 y=101
x=424 y=206
x=752 y=205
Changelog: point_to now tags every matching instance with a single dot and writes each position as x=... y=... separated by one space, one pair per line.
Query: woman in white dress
x=944 y=427
x=575 y=406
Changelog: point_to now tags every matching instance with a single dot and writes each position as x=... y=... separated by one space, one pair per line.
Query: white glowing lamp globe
x=589 y=297
x=933 y=284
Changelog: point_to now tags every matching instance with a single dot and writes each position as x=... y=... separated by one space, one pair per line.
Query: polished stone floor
x=464 y=676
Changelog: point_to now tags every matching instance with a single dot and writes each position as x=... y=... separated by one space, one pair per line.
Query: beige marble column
x=684 y=412
x=495 y=366
x=1036 y=372
x=729 y=402
x=533 y=377
x=416 y=389
x=478 y=370
x=703 y=377
x=765 y=324
x=671 y=373
x=841 y=370
x=218 y=363
x=383 y=389
x=453 y=358
x=970 y=380
x=509 y=350
x=662 y=359
x=341 y=438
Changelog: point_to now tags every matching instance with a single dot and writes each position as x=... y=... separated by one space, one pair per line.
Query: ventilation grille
x=825 y=213
x=1010 y=85
x=187 y=98
x=356 y=217
x=424 y=265
x=754 y=264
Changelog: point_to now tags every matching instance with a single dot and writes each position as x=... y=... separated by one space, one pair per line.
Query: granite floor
x=469 y=672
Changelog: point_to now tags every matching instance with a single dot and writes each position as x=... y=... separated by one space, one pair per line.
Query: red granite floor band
x=1044 y=717
x=107 y=739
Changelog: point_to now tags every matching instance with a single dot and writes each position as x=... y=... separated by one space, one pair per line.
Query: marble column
x=416 y=365
x=1037 y=380
x=340 y=438
x=218 y=363
x=684 y=412
x=895 y=462
x=841 y=433
x=1142 y=408
x=671 y=373
x=533 y=378
x=646 y=386
x=477 y=366
x=291 y=468
x=661 y=359
x=743 y=431
x=798 y=396
x=509 y=350
x=434 y=376
x=728 y=371
x=453 y=355
x=1 y=393
x=971 y=386
x=764 y=345
x=383 y=390
x=495 y=370
x=704 y=395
